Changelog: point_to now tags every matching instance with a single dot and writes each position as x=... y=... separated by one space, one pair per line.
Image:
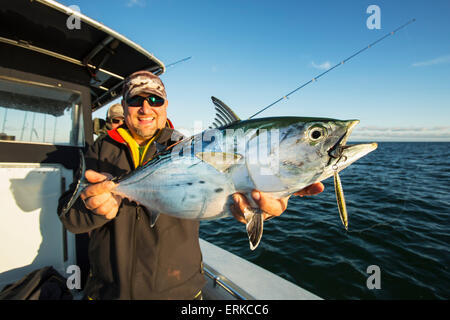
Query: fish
x=196 y=177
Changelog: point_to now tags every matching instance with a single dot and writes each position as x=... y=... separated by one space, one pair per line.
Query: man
x=114 y=117
x=129 y=259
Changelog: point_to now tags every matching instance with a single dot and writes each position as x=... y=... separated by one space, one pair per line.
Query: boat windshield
x=40 y=113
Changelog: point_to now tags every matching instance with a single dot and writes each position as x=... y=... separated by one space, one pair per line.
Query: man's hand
x=271 y=206
x=98 y=197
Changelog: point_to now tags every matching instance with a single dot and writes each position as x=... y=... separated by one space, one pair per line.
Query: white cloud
x=438 y=60
x=376 y=133
x=133 y=3
x=324 y=66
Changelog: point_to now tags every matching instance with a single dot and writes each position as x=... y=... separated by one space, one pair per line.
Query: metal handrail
x=218 y=281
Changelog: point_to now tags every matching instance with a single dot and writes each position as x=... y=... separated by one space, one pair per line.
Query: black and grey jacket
x=128 y=258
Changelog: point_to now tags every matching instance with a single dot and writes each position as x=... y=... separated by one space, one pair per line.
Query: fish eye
x=316 y=133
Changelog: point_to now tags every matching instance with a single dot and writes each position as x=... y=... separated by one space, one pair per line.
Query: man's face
x=116 y=122
x=143 y=121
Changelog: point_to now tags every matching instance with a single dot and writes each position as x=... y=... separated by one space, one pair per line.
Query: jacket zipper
x=133 y=263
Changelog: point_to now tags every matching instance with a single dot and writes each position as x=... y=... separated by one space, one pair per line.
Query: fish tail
x=340 y=199
x=82 y=182
x=254 y=226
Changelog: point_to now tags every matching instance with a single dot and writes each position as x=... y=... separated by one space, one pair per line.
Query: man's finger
x=311 y=190
x=237 y=214
x=94 y=176
x=238 y=208
x=269 y=204
x=95 y=202
x=97 y=189
x=109 y=208
x=240 y=202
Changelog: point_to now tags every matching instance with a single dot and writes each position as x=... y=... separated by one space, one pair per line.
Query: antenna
x=337 y=65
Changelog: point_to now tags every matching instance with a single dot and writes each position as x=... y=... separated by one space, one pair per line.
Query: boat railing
x=226 y=284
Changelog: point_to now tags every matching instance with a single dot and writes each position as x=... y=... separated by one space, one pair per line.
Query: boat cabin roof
x=57 y=66
x=46 y=38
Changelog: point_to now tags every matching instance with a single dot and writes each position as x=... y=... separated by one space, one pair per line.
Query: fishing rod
x=337 y=65
x=179 y=61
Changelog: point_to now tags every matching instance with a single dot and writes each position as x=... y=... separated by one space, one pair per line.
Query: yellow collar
x=134 y=146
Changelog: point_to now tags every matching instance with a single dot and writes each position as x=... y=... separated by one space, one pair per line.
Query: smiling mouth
x=146 y=119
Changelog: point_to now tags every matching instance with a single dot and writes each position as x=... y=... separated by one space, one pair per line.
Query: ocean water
x=398 y=201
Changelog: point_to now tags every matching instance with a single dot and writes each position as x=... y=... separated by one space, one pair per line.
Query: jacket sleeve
x=79 y=219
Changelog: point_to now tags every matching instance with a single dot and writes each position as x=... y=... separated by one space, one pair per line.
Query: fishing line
x=394 y=224
x=369 y=228
x=337 y=65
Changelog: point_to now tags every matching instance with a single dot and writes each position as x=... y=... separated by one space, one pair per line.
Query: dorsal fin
x=224 y=114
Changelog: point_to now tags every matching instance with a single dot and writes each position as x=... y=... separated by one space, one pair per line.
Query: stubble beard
x=145 y=134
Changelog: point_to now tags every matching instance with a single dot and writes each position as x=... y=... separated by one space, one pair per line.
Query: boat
x=58 y=66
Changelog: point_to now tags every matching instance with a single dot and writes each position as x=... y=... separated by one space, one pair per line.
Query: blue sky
x=249 y=53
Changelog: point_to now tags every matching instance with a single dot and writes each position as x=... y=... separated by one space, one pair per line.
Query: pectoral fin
x=222 y=161
x=254 y=226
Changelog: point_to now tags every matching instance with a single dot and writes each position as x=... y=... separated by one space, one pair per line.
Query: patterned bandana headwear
x=143 y=82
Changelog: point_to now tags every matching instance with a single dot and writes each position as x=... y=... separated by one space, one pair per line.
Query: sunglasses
x=138 y=101
x=116 y=120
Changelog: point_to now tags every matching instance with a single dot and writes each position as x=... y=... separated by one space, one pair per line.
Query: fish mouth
x=347 y=154
x=336 y=151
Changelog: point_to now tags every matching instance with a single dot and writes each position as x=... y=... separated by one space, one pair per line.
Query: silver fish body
x=197 y=177
x=184 y=187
